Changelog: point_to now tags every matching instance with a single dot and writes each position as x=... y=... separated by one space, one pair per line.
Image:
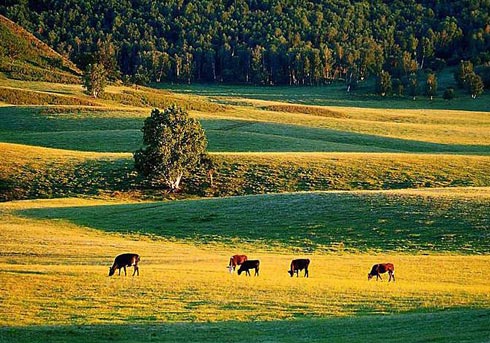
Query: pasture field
x=334 y=95
x=112 y=124
x=30 y=172
x=254 y=130
x=367 y=221
x=425 y=163
x=54 y=271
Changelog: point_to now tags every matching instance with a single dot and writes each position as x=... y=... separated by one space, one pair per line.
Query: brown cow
x=236 y=260
x=382 y=268
x=298 y=265
x=250 y=264
x=123 y=261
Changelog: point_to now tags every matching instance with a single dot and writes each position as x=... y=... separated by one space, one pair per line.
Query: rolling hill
x=24 y=57
x=346 y=181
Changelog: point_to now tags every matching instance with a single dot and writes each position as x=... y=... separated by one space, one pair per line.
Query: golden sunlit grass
x=436 y=126
x=426 y=125
x=55 y=172
x=54 y=272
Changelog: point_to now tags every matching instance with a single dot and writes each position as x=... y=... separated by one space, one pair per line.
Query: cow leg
x=306 y=272
x=256 y=271
x=125 y=274
x=119 y=271
x=247 y=272
x=136 y=270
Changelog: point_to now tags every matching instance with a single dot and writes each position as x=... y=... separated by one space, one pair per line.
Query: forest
x=270 y=42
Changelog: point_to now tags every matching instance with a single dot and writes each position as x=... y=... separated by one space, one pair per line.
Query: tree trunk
x=175 y=184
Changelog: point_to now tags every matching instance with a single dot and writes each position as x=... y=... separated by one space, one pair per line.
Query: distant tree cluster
x=262 y=42
x=466 y=77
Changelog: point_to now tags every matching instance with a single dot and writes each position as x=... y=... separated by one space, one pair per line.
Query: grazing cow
x=236 y=260
x=382 y=268
x=249 y=264
x=298 y=265
x=123 y=261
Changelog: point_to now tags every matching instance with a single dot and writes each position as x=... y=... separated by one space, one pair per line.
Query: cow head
x=291 y=273
x=230 y=269
x=239 y=271
x=370 y=276
x=111 y=271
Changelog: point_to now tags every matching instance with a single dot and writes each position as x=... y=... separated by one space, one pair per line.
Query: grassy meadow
x=57 y=274
x=345 y=180
x=371 y=221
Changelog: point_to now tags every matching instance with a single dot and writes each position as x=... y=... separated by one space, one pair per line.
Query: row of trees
x=465 y=77
x=260 y=42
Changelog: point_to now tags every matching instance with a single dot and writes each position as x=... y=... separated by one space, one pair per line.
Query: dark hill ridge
x=24 y=57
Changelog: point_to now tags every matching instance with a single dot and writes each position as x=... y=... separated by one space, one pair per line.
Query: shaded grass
x=109 y=131
x=466 y=326
x=385 y=221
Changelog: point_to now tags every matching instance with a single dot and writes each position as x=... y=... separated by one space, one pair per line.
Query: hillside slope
x=24 y=57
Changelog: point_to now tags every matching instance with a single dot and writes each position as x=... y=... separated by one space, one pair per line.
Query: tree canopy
x=175 y=145
x=261 y=42
x=94 y=79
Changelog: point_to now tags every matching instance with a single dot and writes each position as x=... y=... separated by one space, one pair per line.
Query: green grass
x=25 y=57
x=388 y=221
x=444 y=326
x=336 y=95
x=110 y=131
x=57 y=275
x=30 y=172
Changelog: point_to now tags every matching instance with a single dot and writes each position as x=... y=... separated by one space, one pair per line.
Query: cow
x=123 y=261
x=249 y=264
x=382 y=268
x=236 y=260
x=298 y=265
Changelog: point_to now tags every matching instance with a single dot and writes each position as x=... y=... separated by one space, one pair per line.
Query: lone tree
x=449 y=93
x=475 y=85
x=413 y=85
x=175 y=145
x=94 y=79
x=431 y=85
x=383 y=83
x=463 y=73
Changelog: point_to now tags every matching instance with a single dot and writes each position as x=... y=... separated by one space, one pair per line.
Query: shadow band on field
x=23 y=125
x=445 y=326
x=301 y=220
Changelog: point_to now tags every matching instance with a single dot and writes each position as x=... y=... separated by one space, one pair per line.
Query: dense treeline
x=260 y=42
